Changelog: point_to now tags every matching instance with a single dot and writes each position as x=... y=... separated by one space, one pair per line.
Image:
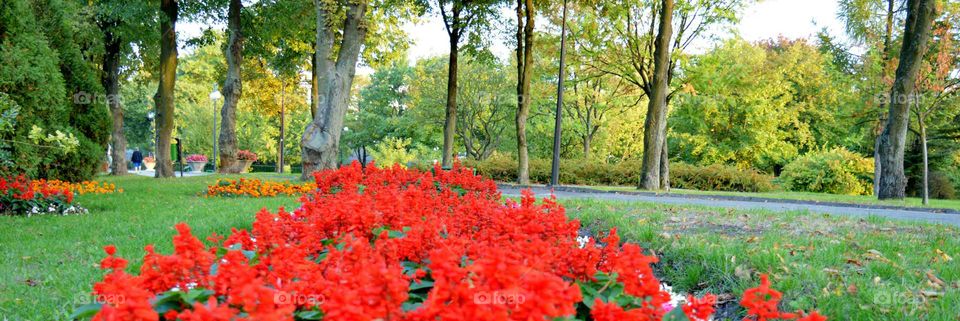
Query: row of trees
x=753 y=105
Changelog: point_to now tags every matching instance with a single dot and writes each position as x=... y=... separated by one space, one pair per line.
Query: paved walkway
x=152 y=173
x=923 y=215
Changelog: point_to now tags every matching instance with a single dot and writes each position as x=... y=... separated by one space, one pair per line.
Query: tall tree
x=936 y=85
x=630 y=30
x=335 y=73
x=872 y=23
x=920 y=16
x=232 y=89
x=525 y=42
x=120 y=23
x=110 y=79
x=654 y=141
x=459 y=18
x=170 y=11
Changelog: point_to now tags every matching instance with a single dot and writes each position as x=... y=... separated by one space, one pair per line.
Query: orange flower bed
x=257 y=188
x=79 y=188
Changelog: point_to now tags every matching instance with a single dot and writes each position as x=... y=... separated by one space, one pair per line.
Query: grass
x=807 y=196
x=50 y=262
x=871 y=269
x=847 y=268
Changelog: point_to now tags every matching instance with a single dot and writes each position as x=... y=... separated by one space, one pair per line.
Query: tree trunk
x=525 y=25
x=893 y=182
x=111 y=83
x=314 y=87
x=877 y=165
x=887 y=55
x=926 y=164
x=450 y=123
x=321 y=138
x=587 y=139
x=168 y=77
x=664 y=166
x=283 y=121
x=655 y=125
x=232 y=89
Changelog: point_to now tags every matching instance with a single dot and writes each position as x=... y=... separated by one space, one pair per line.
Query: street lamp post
x=153 y=132
x=555 y=169
x=214 y=96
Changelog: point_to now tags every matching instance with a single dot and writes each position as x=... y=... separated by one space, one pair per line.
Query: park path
x=906 y=214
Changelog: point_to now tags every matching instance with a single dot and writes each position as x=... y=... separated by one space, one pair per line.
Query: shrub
x=941 y=187
x=392 y=151
x=627 y=173
x=395 y=244
x=836 y=171
x=719 y=178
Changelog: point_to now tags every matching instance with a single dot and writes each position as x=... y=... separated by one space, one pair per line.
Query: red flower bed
x=396 y=244
x=22 y=196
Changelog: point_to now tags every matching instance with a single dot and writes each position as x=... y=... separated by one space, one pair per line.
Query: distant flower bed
x=246 y=155
x=396 y=244
x=198 y=158
x=149 y=159
x=22 y=196
x=257 y=188
x=80 y=188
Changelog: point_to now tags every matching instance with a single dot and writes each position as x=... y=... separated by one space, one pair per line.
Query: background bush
x=719 y=178
x=836 y=171
x=503 y=168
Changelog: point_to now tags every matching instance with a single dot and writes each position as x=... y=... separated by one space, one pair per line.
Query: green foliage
x=47 y=77
x=941 y=186
x=718 y=177
x=392 y=151
x=759 y=105
x=501 y=167
x=836 y=171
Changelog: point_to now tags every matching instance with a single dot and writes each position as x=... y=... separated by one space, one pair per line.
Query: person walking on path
x=137 y=159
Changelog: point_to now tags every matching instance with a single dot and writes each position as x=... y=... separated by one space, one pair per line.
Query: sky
x=766 y=19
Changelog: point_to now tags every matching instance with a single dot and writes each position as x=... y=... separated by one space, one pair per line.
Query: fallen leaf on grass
x=742 y=272
x=931 y=294
x=852 y=289
x=942 y=256
x=934 y=280
x=876 y=255
x=725 y=297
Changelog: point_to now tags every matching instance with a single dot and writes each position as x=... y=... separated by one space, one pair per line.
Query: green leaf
x=422 y=285
x=86 y=311
x=308 y=315
x=407 y=306
x=675 y=315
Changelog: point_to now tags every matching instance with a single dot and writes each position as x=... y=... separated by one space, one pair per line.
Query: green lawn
x=807 y=196
x=49 y=262
x=850 y=269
